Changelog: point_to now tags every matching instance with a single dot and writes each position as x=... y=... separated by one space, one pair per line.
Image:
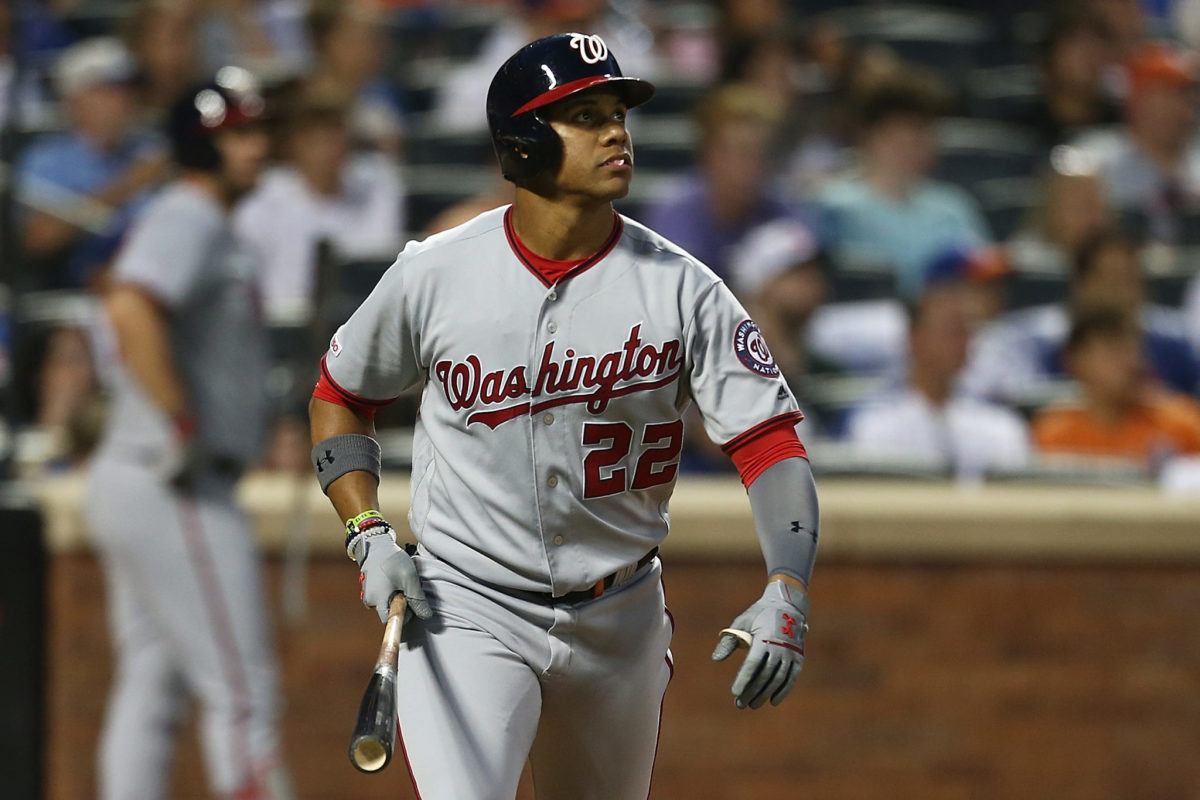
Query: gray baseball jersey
x=549 y=435
x=184 y=253
x=185 y=595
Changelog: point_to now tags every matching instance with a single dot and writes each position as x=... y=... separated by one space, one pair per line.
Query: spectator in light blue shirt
x=79 y=189
x=888 y=213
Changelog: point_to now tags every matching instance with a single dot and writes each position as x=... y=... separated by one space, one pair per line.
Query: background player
x=188 y=412
x=557 y=344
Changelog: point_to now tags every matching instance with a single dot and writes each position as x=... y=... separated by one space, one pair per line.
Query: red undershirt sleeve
x=753 y=455
x=328 y=390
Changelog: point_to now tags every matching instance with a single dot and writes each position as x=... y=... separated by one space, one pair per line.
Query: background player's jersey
x=183 y=252
x=549 y=434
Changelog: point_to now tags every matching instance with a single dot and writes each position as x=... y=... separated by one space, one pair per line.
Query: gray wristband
x=347 y=452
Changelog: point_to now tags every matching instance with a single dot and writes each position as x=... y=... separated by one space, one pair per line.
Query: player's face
x=597 y=152
x=244 y=152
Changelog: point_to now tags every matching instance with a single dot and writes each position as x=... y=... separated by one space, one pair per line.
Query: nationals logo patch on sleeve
x=752 y=351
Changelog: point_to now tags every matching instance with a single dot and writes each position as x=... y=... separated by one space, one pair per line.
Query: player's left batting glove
x=384 y=569
x=776 y=626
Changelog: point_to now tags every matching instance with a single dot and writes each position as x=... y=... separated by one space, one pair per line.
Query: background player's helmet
x=230 y=100
x=539 y=74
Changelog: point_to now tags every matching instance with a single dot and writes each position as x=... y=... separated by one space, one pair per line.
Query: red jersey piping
x=520 y=250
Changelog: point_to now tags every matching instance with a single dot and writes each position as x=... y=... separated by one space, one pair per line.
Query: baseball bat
x=374 y=734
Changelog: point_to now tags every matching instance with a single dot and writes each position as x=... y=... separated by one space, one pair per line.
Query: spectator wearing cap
x=80 y=188
x=1151 y=165
x=979 y=274
x=888 y=212
x=323 y=194
x=928 y=424
x=1117 y=412
x=778 y=272
x=1018 y=358
x=710 y=210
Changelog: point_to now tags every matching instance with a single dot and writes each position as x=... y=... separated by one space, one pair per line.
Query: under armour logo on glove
x=773 y=664
x=325 y=459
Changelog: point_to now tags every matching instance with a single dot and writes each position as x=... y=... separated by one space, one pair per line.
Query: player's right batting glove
x=384 y=567
x=776 y=626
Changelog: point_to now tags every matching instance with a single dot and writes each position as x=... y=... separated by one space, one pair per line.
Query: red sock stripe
x=221 y=624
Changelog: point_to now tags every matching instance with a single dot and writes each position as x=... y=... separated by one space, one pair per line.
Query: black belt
x=580 y=595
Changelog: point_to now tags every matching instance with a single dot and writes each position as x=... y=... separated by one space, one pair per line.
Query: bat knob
x=369 y=754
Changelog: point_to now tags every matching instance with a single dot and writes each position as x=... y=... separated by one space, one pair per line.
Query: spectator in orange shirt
x=1119 y=413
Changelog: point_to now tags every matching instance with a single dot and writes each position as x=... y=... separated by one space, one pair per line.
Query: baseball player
x=188 y=411
x=556 y=344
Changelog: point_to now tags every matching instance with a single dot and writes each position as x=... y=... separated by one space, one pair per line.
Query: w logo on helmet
x=592 y=49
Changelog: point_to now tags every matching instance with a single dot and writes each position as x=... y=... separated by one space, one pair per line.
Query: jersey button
x=552 y=327
x=558 y=540
x=552 y=296
x=548 y=419
x=552 y=481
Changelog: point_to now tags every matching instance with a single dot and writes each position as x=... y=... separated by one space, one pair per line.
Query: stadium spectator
x=778 y=272
x=58 y=398
x=708 y=211
x=836 y=77
x=161 y=34
x=1118 y=413
x=267 y=37
x=1151 y=166
x=928 y=424
x=868 y=338
x=350 y=43
x=1072 y=62
x=889 y=213
x=462 y=92
x=1017 y=359
x=1071 y=208
x=1126 y=21
x=79 y=189
x=323 y=193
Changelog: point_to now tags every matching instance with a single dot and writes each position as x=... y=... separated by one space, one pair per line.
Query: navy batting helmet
x=231 y=99
x=537 y=75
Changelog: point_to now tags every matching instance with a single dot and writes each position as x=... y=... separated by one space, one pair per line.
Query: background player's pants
x=493 y=680
x=187 y=617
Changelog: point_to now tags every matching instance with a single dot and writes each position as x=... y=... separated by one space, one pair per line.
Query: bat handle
x=390 y=649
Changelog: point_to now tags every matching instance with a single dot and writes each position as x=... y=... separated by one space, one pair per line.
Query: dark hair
x=1089 y=251
x=739 y=53
x=1065 y=22
x=323 y=17
x=1097 y=322
x=910 y=92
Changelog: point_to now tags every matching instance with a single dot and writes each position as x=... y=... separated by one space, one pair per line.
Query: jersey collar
x=550 y=272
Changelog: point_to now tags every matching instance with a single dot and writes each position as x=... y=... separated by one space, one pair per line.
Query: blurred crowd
x=970 y=232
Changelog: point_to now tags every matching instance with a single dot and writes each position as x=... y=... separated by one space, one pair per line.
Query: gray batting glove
x=385 y=569
x=775 y=627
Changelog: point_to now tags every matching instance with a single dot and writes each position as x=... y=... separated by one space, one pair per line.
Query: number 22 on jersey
x=604 y=467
